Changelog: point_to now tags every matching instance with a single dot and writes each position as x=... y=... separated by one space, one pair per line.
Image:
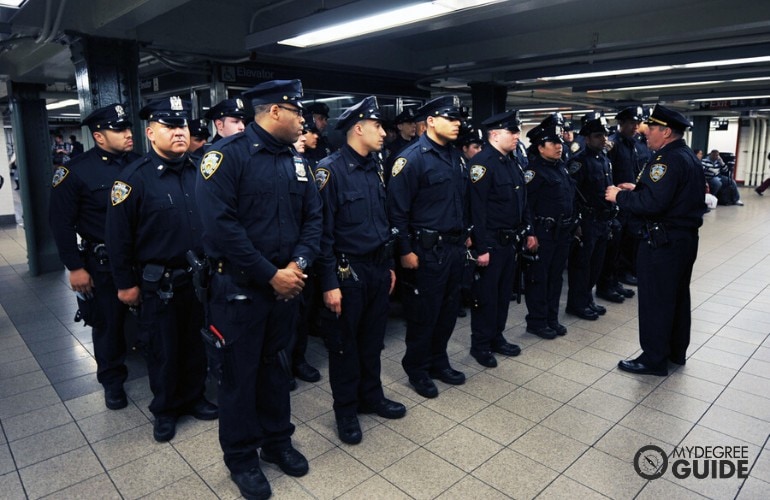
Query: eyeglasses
x=296 y=111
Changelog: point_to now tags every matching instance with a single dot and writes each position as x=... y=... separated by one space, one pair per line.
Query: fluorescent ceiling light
x=724 y=62
x=382 y=21
x=538 y=109
x=707 y=99
x=14 y=4
x=330 y=99
x=62 y=104
x=673 y=85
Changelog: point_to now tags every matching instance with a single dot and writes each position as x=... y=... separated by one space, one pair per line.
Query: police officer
x=199 y=134
x=551 y=197
x=312 y=137
x=428 y=205
x=79 y=201
x=592 y=172
x=571 y=147
x=262 y=220
x=666 y=206
x=407 y=132
x=470 y=142
x=320 y=114
x=356 y=268
x=229 y=118
x=152 y=223
x=501 y=221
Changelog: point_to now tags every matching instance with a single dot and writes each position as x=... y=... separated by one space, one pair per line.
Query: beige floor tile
x=498 y=424
x=742 y=335
x=761 y=467
x=577 y=424
x=754 y=489
x=676 y=404
x=691 y=386
x=201 y=450
x=657 y=424
x=100 y=487
x=191 y=486
x=22 y=383
x=721 y=358
x=564 y=347
x=15 y=354
x=758 y=367
x=138 y=389
x=623 y=443
x=597 y=358
x=620 y=347
x=548 y=447
x=375 y=488
x=217 y=477
x=456 y=404
x=334 y=473
x=564 y=488
x=88 y=405
x=127 y=446
x=487 y=387
x=464 y=448
x=632 y=389
x=555 y=387
x=540 y=358
x=515 y=372
x=732 y=346
x=762 y=354
x=743 y=402
x=470 y=487
x=606 y=474
x=28 y=401
x=6 y=460
x=529 y=404
x=662 y=488
x=578 y=372
x=47 y=444
x=709 y=327
x=109 y=423
x=391 y=371
x=150 y=473
x=310 y=404
x=421 y=425
x=380 y=448
x=60 y=472
x=580 y=336
x=309 y=442
x=708 y=371
x=35 y=421
x=11 y=487
x=16 y=367
x=422 y=474
x=601 y=404
x=515 y=475
x=287 y=487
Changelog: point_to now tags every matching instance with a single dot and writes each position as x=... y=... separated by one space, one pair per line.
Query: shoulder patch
x=657 y=172
x=210 y=163
x=574 y=147
x=59 y=175
x=574 y=167
x=120 y=191
x=477 y=173
x=529 y=175
x=322 y=176
x=398 y=166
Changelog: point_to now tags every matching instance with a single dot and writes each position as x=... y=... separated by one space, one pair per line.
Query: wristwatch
x=301 y=263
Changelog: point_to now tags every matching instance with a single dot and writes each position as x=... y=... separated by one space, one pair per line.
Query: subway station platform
x=558 y=421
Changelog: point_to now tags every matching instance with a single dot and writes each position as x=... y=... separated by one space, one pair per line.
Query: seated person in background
x=712 y=168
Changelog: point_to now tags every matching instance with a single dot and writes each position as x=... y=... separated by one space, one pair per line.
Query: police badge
x=529 y=175
x=477 y=173
x=322 y=176
x=120 y=191
x=398 y=166
x=119 y=111
x=299 y=169
x=58 y=175
x=210 y=163
x=176 y=103
x=657 y=172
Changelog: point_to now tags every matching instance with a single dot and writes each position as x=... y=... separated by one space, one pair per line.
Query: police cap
x=568 y=126
x=447 y=106
x=635 y=113
x=309 y=125
x=364 y=110
x=508 y=120
x=199 y=128
x=548 y=133
x=112 y=117
x=228 y=107
x=406 y=116
x=275 y=92
x=593 y=122
x=169 y=111
x=666 y=117
x=319 y=108
x=470 y=135
x=553 y=119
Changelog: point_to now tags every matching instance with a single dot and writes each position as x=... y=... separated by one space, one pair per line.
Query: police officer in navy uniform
x=551 y=199
x=79 y=201
x=666 y=206
x=501 y=222
x=312 y=140
x=199 y=134
x=428 y=205
x=592 y=172
x=320 y=114
x=356 y=268
x=229 y=118
x=262 y=219
x=152 y=223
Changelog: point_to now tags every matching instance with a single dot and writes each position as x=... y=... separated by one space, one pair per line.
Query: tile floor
x=559 y=421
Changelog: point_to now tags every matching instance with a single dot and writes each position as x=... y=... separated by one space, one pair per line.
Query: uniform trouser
x=544 y=279
x=108 y=332
x=492 y=297
x=664 y=297
x=608 y=276
x=253 y=395
x=307 y=319
x=355 y=348
x=176 y=357
x=585 y=263
x=431 y=298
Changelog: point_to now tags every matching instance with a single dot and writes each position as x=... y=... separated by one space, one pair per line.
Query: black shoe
x=204 y=410
x=164 y=428
x=485 y=358
x=678 y=360
x=600 y=310
x=349 y=430
x=634 y=366
x=506 y=349
x=560 y=329
x=610 y=295
x=625 y=292
x=448 y=376
x=252 y=484
x=628 y=279
x=305 y=372
x=424 y=387
x=115 y=397
x=543 y=332
x=461 y=313
x=756 y=190
x=385 y=408
x=289 y=460
x=585 y=313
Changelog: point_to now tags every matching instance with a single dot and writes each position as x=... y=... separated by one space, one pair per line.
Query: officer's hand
x=80 y=281
x=483 y=260
x=288 y=283
x=532 y=243
x=333 y=301
x=468 y=242
x=392 y=282
x=627 y=185
x=130 y=296
x=410 y=261
x=611 y=193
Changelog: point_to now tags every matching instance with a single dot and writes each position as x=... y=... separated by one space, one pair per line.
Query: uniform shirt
x=625 y=158
x=592 y=172
x=498 y=196
x=259 y=205
x=669 y=190
x=550 y=189
x=321 y=151
x=355 y=220
x=428 y=189
x=79 y=200
x=153 y=217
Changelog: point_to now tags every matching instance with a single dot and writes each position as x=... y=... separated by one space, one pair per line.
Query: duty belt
x=384 y=253
x=549 y=223
x=98 y=250
x=428 y=238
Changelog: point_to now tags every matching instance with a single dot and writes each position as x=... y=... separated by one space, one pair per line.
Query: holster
x=88 y=311
x=656 y=234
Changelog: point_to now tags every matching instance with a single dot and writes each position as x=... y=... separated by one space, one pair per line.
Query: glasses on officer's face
x=296 y=111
